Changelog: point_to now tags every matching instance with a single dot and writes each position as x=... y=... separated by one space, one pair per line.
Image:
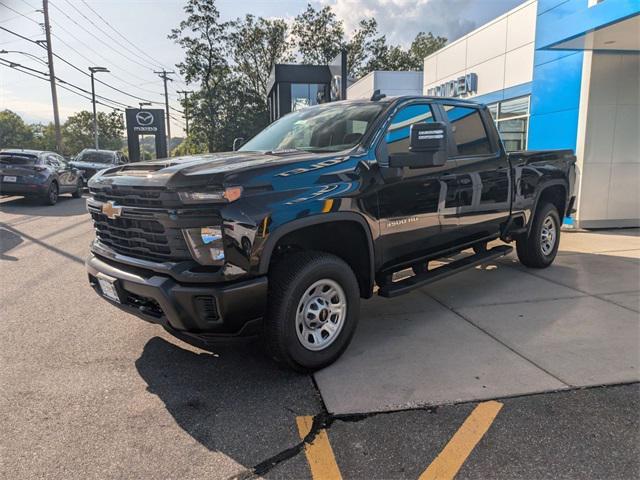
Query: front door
x=410 y=208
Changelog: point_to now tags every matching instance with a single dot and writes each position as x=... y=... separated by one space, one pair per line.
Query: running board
x=405 y=286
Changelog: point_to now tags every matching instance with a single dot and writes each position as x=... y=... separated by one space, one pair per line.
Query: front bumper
x=203 y=310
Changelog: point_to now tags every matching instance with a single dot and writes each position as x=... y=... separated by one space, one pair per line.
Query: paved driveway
x=87 y=391
x=499 y=330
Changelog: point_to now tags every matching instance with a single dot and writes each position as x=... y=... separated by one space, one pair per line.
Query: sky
x=82 y=31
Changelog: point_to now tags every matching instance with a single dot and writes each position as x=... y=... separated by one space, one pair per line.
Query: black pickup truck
x=285 y=236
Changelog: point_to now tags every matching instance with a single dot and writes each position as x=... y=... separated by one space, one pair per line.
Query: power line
x=15 y=67
x=20 y=13
x=122 y=36
x=76 y=67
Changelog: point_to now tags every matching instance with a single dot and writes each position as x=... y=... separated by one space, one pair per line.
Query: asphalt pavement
x=87 y=391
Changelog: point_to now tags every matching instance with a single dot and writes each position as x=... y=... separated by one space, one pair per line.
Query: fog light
x=205 y=245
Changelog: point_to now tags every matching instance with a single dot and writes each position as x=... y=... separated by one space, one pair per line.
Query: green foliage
x=77 y=131
x=14 y=133
x=319 y=35
x=230 y=63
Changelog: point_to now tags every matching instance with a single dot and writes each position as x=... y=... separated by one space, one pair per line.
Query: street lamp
x=94 y=70
x=2 y=52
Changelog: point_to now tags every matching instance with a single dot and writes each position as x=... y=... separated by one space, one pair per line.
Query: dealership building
x=556 y=74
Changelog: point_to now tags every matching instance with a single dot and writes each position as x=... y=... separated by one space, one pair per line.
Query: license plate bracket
x=109 y=288
x=10 y=178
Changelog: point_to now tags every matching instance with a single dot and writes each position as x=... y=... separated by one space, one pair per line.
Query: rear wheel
x=51 y=197
x=539 y=248
x=314 y=303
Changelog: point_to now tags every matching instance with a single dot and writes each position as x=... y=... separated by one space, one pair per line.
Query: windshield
x=95 y=157
x=17 y=159
x=325 y=128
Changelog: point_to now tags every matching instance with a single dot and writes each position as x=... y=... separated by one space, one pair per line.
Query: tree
x=44 y=136
x=365 y=45
x=319 y=35
x=204 y=39
x=77 y=131
x=14 y=133
x=424 y=45
x=256 y=45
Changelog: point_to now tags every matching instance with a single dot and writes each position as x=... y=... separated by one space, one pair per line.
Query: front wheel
x=539 y=248
x=314 y=305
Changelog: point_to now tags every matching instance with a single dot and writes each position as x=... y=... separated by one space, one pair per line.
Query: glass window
x=468 y=130
x=514 y=108
x=305 y=94
x=512 y=121
x=398 y=132
x=328 y=127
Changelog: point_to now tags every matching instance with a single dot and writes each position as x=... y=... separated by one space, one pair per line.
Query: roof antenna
x=377 y=96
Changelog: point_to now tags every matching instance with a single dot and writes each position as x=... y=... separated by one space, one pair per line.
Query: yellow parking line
x=454 y=454
x=319 y=452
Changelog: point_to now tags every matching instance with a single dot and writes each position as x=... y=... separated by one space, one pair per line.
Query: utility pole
x=164 y=76
x=52 y=76
x=93 y=71
x=186 y=109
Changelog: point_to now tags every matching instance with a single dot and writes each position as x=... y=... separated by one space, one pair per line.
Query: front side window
x=398 y=133
x=330 y=127
x=468 y=130
x=95 y=157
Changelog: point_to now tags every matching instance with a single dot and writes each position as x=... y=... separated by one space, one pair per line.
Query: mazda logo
x=144 y=118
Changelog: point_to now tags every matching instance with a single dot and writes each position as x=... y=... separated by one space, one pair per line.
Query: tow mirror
x=427 y=147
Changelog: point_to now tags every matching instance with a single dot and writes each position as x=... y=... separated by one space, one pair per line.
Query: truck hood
x=199 y=170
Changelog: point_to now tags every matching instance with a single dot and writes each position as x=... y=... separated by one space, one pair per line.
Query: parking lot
x=498 y=372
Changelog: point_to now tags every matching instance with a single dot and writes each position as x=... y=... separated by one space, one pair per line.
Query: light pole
x=94 y=70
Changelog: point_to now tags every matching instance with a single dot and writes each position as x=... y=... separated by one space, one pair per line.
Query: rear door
x=483 y=185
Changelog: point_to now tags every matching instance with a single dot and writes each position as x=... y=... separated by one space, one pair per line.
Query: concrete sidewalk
x=499 y=330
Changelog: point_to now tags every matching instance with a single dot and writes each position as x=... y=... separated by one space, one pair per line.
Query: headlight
x=205 y=245
x=229 y=194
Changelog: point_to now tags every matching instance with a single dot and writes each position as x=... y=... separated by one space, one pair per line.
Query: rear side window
x=468 y=130
x=398 y=131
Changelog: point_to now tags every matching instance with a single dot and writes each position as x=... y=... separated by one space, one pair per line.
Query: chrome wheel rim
x=320 y=315
x=548 y=235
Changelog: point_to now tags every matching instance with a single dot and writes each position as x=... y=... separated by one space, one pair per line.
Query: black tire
x=536 y=250
x=79 y=188
x=289 y=281
x=52 y=194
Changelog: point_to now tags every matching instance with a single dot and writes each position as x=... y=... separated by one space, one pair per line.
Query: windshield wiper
x=284 y=151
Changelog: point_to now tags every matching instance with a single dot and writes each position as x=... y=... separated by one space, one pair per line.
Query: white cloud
x=401 y=20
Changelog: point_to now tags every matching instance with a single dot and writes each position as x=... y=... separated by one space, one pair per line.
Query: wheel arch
x=554 y=191
x=361 y=262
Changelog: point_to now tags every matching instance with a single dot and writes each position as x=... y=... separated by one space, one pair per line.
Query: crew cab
x=285 y=236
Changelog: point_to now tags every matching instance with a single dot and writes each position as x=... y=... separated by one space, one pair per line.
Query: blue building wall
x=557 y=73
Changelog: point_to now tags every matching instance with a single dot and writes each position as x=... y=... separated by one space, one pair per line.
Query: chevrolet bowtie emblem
x=111 y=210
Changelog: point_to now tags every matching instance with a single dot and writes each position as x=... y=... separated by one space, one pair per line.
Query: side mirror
x=427 y=148
x=237 y=143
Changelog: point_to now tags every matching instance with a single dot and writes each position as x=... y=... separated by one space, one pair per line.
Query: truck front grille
x=145 y=239
x=136 y=196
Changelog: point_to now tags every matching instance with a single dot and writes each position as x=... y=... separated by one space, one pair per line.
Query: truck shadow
x=233 y=400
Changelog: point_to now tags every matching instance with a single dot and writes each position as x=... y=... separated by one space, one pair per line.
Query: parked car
x=89 y=161
x=34 y=173
x=326 y=204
